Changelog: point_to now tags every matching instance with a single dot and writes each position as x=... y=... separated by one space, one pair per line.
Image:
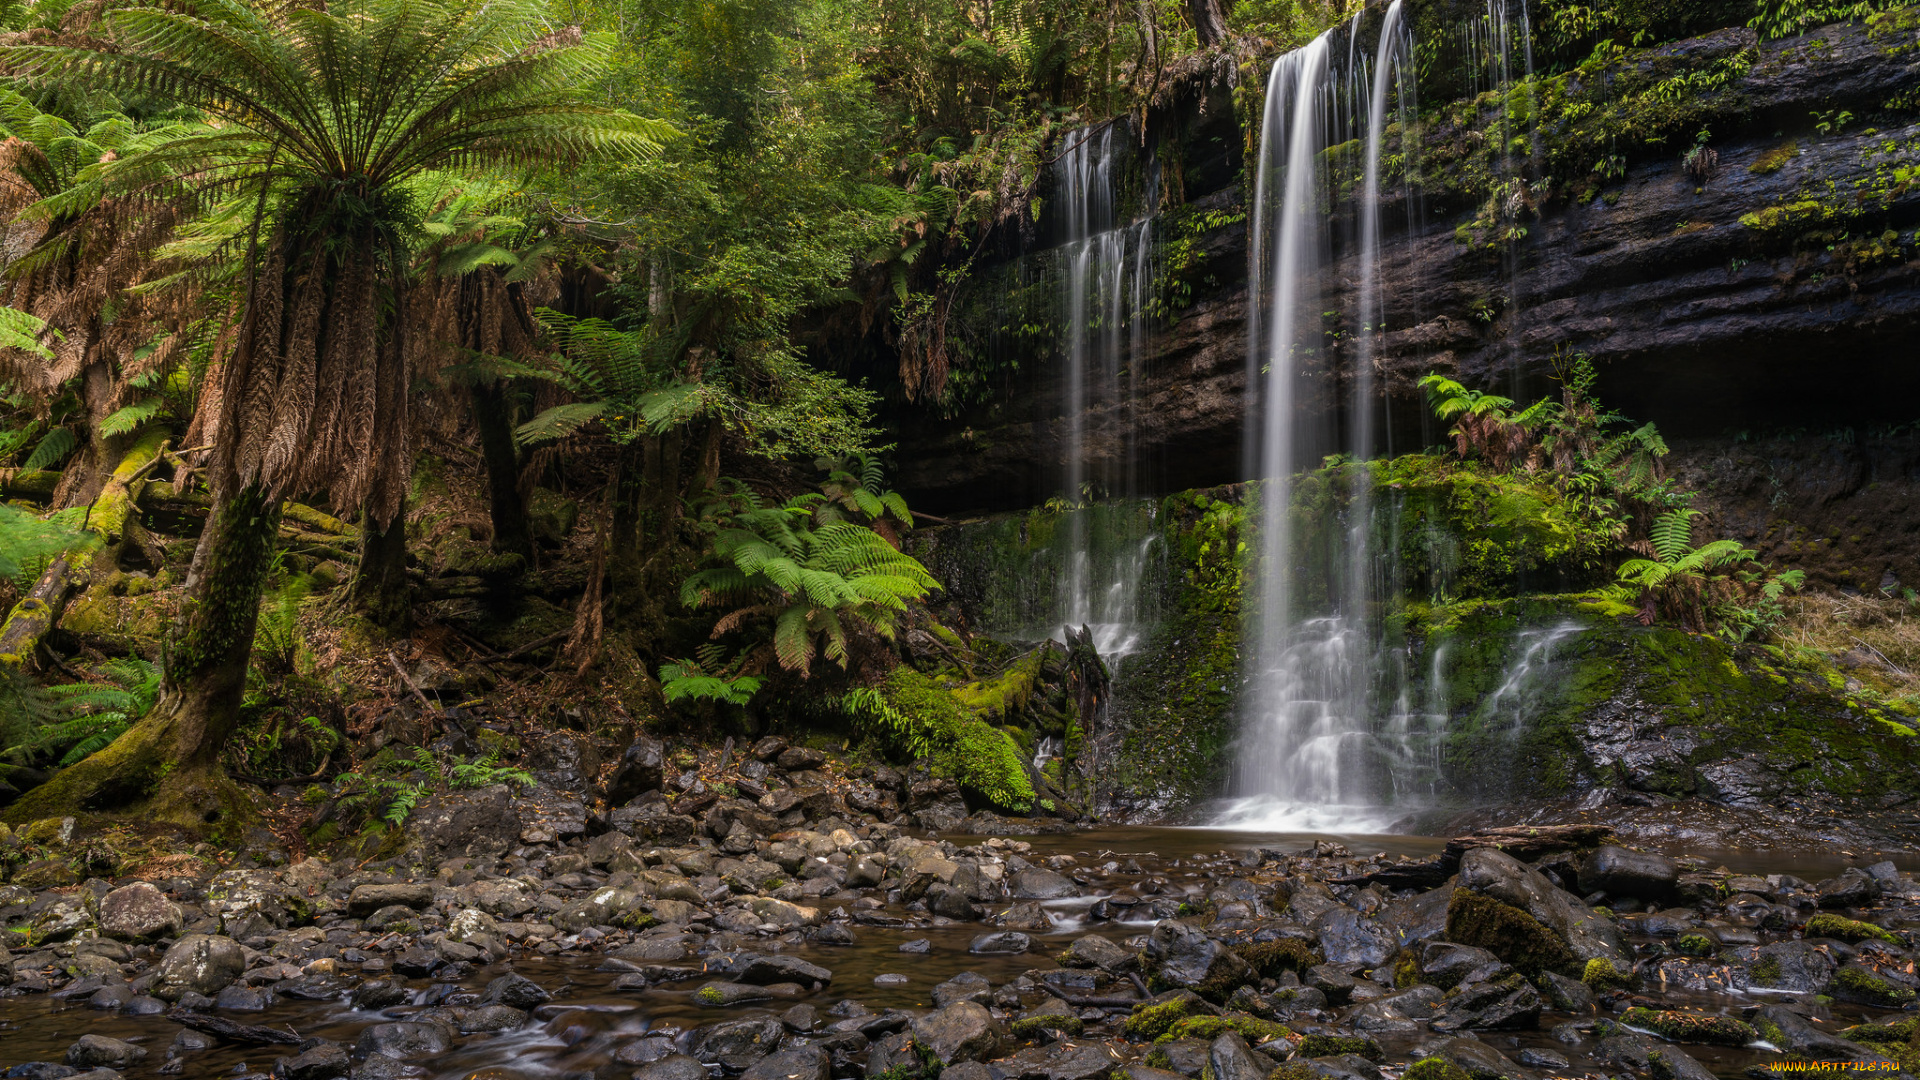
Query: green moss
x=1314 y=1046
x=1031 y=1027
x=1864 y=986
x=1600 y=974
x=1150 y=1020
x=1271 y=958
x=1406 y=970
x=1691 y=1027
x=1766 y=970
x=1507 y=932
x=1829 y=925
x=1293 y=1070
x=1694 y=945
x=1434 y=1068
x=1775 y=159
x=960 y=747
x=1251 y=1028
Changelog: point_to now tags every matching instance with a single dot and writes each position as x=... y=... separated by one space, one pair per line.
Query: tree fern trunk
x=171 y=757
x=493 y=416
x=380 y=584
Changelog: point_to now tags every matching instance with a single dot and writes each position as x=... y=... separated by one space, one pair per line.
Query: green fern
x=126 y=420
x=27 y=544
x=805 y=583
x=77 y=720
x=54 y=446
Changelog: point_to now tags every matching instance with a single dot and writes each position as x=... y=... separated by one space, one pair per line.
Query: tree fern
x=807 y=579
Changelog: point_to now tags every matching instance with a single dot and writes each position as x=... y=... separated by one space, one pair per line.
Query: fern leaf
x=124 y=421
x=1672 y=534
x=559 y=422
x=792 y=643
x=54 y=446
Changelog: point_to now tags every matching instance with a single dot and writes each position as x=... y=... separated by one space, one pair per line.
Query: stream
x=591 y=1027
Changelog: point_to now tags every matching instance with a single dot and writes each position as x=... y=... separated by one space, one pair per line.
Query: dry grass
x=1874 y=638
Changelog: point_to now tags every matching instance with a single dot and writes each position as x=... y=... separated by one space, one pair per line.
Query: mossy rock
x=1841 y=928
x=1686 y=1027
x=1601 y=975
x=48 y=832
x=1695 y=945
x=1507 y=932
x=45 y=874
x=1315 y=1046
x=1251 y=1028
x=1859 y=984
x=1032 y=1027
x=1434 y=1068
x=1152 y=1019
x=961 y=747
x=1271 y=958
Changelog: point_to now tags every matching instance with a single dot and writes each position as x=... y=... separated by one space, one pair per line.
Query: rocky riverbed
x=734 y=942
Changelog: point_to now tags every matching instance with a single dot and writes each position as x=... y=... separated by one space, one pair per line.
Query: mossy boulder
x=961 y=747
x=1315 y=1046
x=1507 y=932
x=1152 y=1019
x=1434 y=1068
x=1839 y=927
x=1601 y=975
x=1688 y=1027
x=1862 y=984
x=1271 y=958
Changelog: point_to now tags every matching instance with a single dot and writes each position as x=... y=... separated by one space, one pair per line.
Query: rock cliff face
x=1779 y=292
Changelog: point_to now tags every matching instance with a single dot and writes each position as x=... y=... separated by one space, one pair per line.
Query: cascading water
x=1321 y=733
x=1107 y=274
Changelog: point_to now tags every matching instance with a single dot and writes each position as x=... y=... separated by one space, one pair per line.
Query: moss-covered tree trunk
x=493 y=415
x=380 y=584
x=171 y=757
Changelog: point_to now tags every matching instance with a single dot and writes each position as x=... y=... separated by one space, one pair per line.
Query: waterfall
x=1106 y=282
x=1325 y=722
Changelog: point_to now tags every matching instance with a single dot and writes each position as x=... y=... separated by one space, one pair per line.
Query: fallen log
x=1528 y=843
x=232 y=1031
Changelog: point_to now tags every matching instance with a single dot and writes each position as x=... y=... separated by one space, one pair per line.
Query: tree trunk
x=171 y=758
x=380 y=584
x=1209 y=22
x=494 y=418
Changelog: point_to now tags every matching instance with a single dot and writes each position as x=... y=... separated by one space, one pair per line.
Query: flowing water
x=1323 y=732
x=579 y=1033
x=1106 y=281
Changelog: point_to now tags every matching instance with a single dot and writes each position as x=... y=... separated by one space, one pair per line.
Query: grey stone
x=367 y=899
x=735 y=1044
x=491 y=1019
x=1036 y=883
x=96 y=1051
x=1346 y=937
x=1618 y=872
x=517 y=991
x=405 y=1039
x=793 y=1063
x=139 y=912
x=1098 y=952
x=328 y=1061
x=197 y=964
x=1007 y=941
x=963 y=1031
x=1186 y=957
x=764 y=969
x=642 y=769
x=1508 y=880
x=1229 y=1058
x=671 y=1067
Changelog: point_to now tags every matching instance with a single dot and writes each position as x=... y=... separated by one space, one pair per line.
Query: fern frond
x=1672 y=533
